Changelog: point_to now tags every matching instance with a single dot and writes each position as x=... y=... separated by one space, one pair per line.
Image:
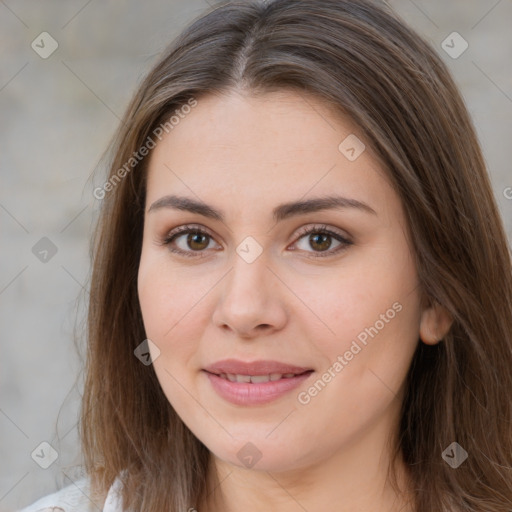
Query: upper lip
x=263 y=367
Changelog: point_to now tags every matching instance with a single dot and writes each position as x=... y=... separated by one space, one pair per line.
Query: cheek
x=165 y=306
x=156 y=295
x=369 y=311
x=167 y=297
x=345 y=303
x=366 y=361
x=172 y=305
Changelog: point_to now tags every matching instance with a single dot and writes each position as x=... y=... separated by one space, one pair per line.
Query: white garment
x=75 y=498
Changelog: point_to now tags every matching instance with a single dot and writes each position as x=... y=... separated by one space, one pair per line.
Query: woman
x=302 y=294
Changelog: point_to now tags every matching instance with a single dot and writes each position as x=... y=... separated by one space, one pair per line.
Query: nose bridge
x=248 y=298
x=248 y=278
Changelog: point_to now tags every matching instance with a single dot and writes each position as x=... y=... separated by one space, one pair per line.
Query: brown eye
x=320 y=239
x=196 y=241
x=188 y=241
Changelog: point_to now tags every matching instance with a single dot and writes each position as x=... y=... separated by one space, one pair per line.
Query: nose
x=251 y=300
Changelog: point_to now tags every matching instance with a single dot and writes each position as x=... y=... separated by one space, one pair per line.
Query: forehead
x=281 y=145
x=283 y=121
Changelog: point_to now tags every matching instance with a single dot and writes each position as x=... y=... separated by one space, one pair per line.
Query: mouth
x=257 y=379
x=259 y=368
x=255 y=383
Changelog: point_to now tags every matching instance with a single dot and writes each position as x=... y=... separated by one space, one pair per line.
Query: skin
x=245 y=155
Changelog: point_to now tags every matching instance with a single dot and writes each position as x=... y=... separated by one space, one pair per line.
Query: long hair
x=362 y=59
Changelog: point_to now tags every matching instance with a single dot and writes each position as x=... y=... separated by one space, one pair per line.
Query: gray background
x=57 y=117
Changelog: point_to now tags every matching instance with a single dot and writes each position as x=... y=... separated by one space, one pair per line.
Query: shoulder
x=76 y=498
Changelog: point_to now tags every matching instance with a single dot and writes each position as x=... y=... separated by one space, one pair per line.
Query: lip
x=248 y=393
x=262 y=367
x=243 y=393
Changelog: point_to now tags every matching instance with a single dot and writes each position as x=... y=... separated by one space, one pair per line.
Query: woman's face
x=340 y=305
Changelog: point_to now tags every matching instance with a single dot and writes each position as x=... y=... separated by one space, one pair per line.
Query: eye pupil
x=192 y=239
x=325 y=240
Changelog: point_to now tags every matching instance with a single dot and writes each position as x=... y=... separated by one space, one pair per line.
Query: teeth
x=255 y=379
x=260 y=378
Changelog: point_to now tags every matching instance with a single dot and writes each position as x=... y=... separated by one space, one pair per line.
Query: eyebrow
x=281 y=212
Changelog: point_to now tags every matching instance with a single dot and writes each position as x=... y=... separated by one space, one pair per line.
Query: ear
x=434 y=324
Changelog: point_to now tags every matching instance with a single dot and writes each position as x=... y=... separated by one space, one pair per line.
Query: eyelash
x=303 y=232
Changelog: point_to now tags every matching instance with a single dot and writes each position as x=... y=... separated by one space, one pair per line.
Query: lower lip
x=247 y=393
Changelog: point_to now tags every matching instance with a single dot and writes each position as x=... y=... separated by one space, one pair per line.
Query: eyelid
x=182 y=230
x=189 y=227
x=322 y=228
x=345 y=240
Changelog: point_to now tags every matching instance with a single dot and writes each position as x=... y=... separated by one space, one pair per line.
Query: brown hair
x=359 y=57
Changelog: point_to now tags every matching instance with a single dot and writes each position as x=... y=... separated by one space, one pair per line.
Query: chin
x=263 y=455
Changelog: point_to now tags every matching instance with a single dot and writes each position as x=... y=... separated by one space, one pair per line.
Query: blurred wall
x=58 y=111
